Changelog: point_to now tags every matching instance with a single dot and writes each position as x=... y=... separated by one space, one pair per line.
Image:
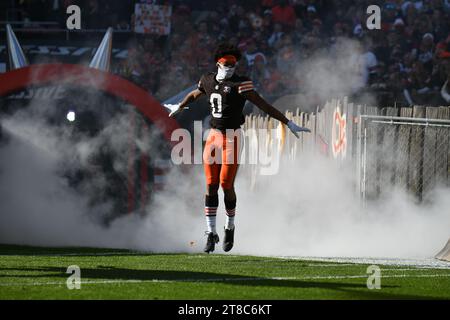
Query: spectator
x=93 y=12
x=284 y=14
x=260 y=75
x=276 y=35
x=267 y=21
x=417 y=84
x=407 y=59
x=426 y=48
x=251 y=52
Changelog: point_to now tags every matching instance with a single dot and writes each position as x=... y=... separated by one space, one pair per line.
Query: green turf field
x=40 y=273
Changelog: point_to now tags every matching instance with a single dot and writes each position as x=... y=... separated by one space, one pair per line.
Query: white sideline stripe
x=11 y=284
x=419 y=263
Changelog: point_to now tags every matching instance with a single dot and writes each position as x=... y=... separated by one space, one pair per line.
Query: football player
x=227 y=93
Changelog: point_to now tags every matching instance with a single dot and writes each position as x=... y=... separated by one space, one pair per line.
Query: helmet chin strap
x=224 y=72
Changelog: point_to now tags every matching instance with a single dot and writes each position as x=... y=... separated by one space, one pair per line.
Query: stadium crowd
x=407 y=61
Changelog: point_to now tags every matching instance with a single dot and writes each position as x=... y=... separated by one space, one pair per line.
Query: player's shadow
x=112 y=274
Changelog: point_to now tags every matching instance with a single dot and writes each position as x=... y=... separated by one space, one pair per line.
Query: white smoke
x=40 y=207
x=338 y=71
x=309 y=209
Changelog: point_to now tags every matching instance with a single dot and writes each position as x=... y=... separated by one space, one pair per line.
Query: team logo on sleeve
x=227 y=89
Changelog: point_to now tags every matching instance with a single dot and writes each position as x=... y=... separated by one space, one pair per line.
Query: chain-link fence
x=403 y=152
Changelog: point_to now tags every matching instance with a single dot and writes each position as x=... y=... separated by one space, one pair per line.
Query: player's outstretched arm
x=189 y=98
x=258 y=101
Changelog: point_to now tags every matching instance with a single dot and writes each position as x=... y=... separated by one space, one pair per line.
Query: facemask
x=224 y=72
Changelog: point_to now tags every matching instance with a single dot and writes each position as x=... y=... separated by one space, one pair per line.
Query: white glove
x=295 y=128
x=173 y=109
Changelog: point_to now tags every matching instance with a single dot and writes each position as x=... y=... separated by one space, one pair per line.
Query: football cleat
x=228 y=240
x=211 y=242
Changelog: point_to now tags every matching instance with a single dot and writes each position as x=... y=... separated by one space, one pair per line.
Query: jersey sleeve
x=245 y=85
x=200 y=85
